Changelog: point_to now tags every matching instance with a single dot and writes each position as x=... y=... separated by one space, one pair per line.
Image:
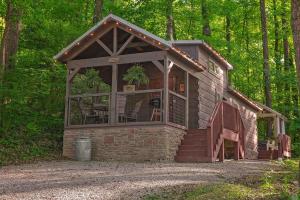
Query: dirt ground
x=114 y=180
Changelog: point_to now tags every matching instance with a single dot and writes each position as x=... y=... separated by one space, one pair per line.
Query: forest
x=260 y=38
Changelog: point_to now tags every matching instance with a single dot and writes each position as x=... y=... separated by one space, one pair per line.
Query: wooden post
x=210 y=143
x=187 y=100
x=236 y=150
x=114 y=86
x=221 y=152
x=166 y=91
x=67 y=121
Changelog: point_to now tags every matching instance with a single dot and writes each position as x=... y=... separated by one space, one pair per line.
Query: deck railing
x=88 y=109
x=224 y=117
x=142 y=106
x=177 y=108
x=134 y=107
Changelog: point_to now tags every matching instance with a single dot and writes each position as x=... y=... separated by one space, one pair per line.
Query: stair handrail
x=213 y=140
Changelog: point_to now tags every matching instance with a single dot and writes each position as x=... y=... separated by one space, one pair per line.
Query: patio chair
x=86 y=112
x=133 y=116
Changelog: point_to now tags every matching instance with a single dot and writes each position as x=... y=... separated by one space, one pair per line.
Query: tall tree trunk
x=10 y=39
x=205 y=17
x=228 y=34
x=171 y=35
x=98 y=11
x=192 y=21
x=295 y=4
x=276 y=36
x=266 y=67
x=285 y=36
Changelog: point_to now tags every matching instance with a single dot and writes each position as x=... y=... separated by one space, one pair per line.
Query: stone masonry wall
x=139 y=143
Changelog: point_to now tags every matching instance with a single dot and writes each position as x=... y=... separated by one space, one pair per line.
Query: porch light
x=104 y=23
x=117 y=23
x=78 y=43
x=92 y=34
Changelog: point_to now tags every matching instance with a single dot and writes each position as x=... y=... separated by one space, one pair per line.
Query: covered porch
x=123 y=79
x=275 y=144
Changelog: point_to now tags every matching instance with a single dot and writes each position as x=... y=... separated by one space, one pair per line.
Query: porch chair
x=133 y=116
x=85 y=111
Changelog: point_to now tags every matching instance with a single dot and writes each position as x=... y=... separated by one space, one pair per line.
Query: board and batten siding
x=249 y=117
x=211 y=85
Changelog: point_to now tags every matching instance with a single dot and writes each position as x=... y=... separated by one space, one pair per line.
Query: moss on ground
x=279 y=184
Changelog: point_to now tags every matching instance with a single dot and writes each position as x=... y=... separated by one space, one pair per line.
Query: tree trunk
x=205 y=17
x=10 y=39
x=170 y=21
x=266 y=67
x=285 y=36
x=276 y=36
x=98 y=11
x=296 y=34
x=228 y=35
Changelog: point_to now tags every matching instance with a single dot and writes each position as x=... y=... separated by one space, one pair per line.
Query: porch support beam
x=187 y=99
x=73 y=73
x=158 y=65
x=121 y=59
x=115 y=40
x=87 y=44
x=166 y=91
x=104 y=47
x=125 y=44
x=113 y=94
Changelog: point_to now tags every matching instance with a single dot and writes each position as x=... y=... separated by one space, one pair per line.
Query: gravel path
x=112 y=180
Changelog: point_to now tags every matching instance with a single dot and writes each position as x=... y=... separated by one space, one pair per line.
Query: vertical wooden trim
x=166 y=90
x=67 y=108
x=236 y=150
x=187 y=100
x=115 y=41
x=210 y=143
x=114 y=93
x=221 y=152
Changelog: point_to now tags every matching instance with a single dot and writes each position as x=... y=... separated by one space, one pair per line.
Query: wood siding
x=249 y=118
x=210 y=85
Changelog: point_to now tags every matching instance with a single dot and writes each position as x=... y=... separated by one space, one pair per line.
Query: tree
x=98 y=11
x=171 y=35
x=295 y=18
x=266 y=67
x=10 y=39
x=205 y=17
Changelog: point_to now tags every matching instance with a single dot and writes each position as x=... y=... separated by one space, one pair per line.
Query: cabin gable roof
x=104 y=25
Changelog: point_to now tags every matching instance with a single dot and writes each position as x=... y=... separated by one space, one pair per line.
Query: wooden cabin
x=181 y=109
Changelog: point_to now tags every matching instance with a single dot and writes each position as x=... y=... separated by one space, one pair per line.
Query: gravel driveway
x=112 y=180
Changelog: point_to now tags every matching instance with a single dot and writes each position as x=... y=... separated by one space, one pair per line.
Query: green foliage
x=272 y=185
x=32 y=94
x=136 y=75
x=90 y=82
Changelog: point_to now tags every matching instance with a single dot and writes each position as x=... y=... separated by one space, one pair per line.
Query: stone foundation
x=139 y=143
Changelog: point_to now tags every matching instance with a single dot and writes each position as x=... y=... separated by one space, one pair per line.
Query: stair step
x=192 y=152
x=185 y=147
x=191 y=159
x=197 y=131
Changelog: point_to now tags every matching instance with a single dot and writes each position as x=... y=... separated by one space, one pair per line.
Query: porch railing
x=177 y=108
x=88 y=109
x=142 y=106
x=136 y=107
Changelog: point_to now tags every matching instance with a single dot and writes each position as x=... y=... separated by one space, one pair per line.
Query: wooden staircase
x=207 y=145
x=193 y=147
